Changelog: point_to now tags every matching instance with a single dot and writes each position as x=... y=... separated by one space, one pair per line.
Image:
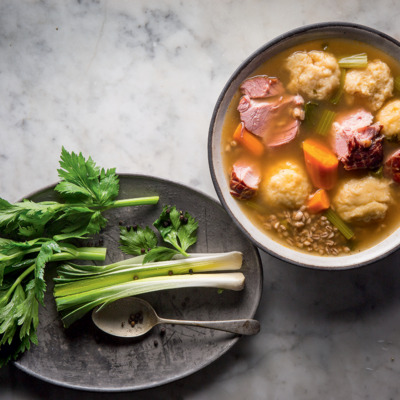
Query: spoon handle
x=239 y=326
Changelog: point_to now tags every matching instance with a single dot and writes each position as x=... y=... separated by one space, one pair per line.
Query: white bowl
x=260 y=238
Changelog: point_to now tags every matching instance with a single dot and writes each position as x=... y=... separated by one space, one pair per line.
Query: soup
x=310 y=147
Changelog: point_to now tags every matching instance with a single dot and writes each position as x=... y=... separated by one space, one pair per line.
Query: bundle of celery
x=34 y=234
x=79 y=288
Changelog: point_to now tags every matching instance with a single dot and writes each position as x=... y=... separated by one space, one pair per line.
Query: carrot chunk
x=318 y=201
x=321 y=164
x=248 y=140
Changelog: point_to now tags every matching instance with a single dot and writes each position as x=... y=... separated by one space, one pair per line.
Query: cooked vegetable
x=318 y=201
x=325 y=122
x=37 y=233
x=348 y=100
x=321 y=164
x=338 y=95
x=335 y=220
x=397 y=83
x=81 y=288
x=248 y=140
x=354 y=61
x=310 y=113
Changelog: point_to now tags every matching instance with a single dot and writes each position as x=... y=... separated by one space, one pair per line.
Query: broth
x=366 y=234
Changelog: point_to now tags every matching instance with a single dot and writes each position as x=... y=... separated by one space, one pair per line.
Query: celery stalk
x=335 y=220
x=139 y=201
x=354 y=61
x=325 y=122
x=81 y=288
x=126 y=272
x=397 y=83
x=75 y=307
x=338 y=95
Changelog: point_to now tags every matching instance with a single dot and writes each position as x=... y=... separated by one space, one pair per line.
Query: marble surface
x=133 y=84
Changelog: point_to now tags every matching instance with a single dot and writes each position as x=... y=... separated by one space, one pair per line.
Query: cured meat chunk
x=262 y=86
x=276 y=120
x=244 y=180
x=256 y=114
x=357 y=142
x=392 y=166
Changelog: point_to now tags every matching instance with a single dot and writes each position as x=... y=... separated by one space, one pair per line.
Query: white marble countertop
x=133 y=84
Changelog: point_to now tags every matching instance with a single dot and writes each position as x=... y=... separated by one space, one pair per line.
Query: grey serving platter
x=83 y=357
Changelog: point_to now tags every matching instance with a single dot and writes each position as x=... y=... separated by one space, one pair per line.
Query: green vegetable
x=310 y=113
x=35 y=234
x=335 y=220
x=22 y=292
x=378 y=173
x=175 y=227
x=325 y=122
x=354 y=61
x=338 y=95
x=86 y=190
x=397 y=83
x=78 y=289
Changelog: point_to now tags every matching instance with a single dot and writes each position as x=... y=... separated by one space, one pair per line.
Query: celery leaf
x=137 y=240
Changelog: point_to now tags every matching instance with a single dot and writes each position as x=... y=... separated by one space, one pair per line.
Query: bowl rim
x=344 y=262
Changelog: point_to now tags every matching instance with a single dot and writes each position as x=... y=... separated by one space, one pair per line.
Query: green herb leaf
x=38 y=285
x=137 y=241
x=82 y=179
x=160 y=253
x=177 y=228
x=26 y=218
x=20 y=315
x=8 y=314
x=44 y=227
x=78 y=222
x=27 y=311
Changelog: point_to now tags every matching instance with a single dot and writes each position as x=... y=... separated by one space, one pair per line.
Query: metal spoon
x=115 y=319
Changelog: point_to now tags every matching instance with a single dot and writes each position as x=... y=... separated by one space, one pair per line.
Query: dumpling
x=364 y=199
x=315 y=74
x=287 y=185
x=374 y=83
x=389 y=117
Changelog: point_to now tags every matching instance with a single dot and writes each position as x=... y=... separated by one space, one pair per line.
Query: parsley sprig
x=176 y=228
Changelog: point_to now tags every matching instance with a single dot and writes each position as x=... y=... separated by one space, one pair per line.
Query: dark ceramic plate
x=83 y=357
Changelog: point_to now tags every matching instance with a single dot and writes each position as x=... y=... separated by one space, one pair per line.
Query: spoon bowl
x=133 y=317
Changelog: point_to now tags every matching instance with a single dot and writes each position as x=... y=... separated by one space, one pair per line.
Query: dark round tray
x=83 y=357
